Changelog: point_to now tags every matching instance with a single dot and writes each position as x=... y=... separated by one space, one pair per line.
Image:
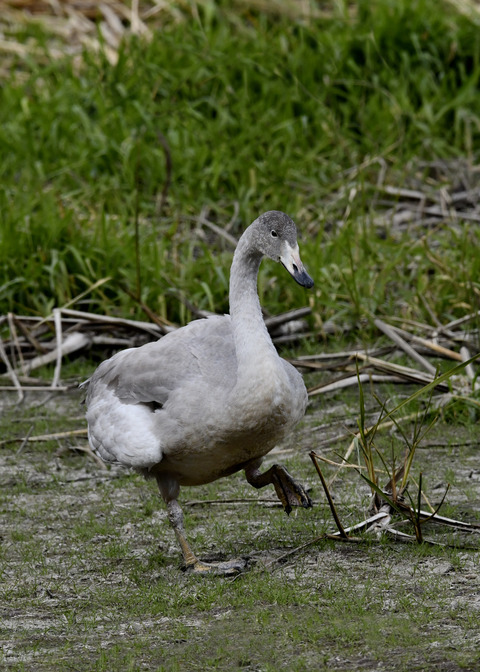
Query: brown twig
x=47 y=437
x=339 y=525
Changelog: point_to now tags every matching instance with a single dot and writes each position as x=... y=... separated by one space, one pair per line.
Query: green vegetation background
x=260 y=111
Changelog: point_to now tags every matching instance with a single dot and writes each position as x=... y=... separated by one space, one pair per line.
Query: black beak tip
x=301 y=277
x=304 y=279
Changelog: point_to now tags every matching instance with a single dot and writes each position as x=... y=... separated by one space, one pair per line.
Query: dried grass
x=75 y=25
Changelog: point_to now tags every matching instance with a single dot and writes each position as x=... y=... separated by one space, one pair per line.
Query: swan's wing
x=299 y=396
x=198 y=356
x=146 y=402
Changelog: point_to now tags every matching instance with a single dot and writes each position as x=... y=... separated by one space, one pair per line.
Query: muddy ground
x=91 y=579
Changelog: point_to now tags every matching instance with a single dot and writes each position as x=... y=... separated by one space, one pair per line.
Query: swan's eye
x=274 y=233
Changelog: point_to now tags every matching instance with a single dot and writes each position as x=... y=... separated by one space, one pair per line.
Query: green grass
x=259 y=110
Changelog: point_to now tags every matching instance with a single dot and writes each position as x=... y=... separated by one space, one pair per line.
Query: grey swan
x=210 y=398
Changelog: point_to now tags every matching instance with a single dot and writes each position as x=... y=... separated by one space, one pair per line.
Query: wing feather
x=197 y=357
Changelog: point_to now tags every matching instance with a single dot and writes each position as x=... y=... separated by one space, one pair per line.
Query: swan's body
x=210 y=398
x=212 y=424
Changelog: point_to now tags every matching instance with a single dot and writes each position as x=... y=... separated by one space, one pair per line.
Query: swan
x=210 y=398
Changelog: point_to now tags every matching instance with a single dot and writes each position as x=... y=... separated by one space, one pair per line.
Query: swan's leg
x=192 y=563
x=169 y=491
x=175 y=516
x=289 y=492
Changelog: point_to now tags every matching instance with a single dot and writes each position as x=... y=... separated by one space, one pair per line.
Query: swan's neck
x=254 y=347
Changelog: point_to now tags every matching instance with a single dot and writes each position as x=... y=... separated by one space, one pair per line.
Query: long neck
x=252 y=340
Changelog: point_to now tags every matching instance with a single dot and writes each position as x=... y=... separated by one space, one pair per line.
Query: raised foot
x=227 y=568
x=289 y=492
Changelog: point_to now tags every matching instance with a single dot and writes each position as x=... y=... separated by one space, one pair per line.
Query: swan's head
x=276 y=238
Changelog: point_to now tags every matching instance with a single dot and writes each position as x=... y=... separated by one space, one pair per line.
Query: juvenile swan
x=210 y=398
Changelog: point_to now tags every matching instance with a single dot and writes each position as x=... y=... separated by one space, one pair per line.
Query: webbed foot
x=289 y=492
x=192 y=563
x=226 y=568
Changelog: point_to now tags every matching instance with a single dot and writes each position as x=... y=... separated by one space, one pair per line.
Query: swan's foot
x=289 y=492
x=227 y=568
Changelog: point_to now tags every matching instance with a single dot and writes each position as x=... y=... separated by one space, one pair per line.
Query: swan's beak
x=292 y=262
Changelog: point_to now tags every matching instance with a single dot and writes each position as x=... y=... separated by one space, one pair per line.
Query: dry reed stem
x=398 y=340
